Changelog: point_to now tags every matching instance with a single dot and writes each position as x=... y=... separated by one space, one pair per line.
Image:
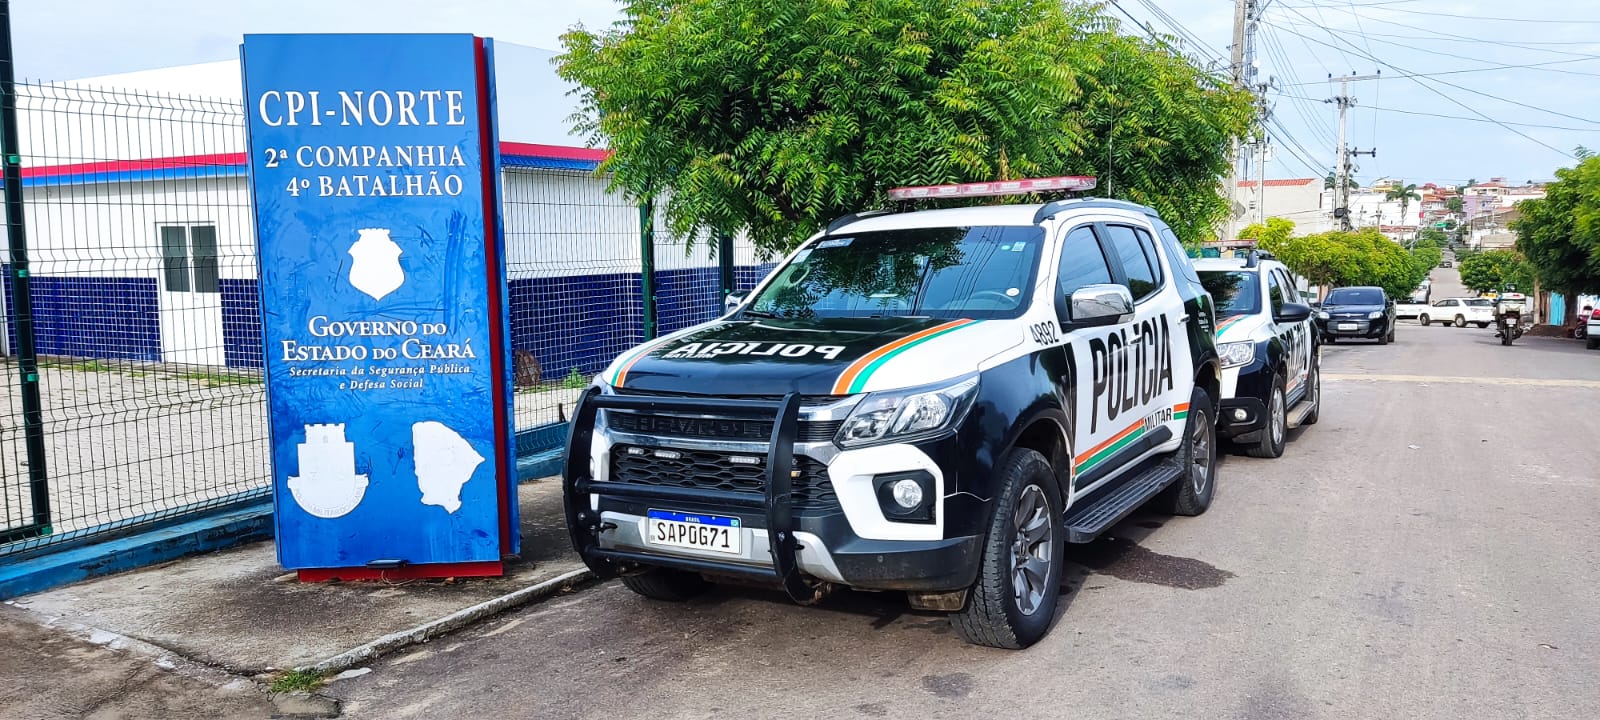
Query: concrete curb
x=454 y=621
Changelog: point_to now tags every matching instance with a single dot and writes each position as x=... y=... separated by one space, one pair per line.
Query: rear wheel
x=1461 y=322
x=666 y=584
x=1014 y=600
x=1314 y=387
x=1483 y=324
x=1272 y=436
x=1425 y=320
x=1192 y=493
x=1592 y=343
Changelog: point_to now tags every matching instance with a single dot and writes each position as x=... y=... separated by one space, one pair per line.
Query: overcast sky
x=1301 y=42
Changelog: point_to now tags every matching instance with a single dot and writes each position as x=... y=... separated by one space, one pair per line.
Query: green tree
x=1434 y=237
x=1270 y=237
x=773 y=117
x=1560 y=233
x=1455 y=205
x=1332 y=180
x=1405 y=194
x=1492 y=270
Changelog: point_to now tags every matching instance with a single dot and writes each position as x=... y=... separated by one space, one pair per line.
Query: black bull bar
x=584 y=525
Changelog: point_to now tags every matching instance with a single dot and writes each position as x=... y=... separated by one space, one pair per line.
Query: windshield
x=1236 y=293
x=1354 y=296
x=977 y=272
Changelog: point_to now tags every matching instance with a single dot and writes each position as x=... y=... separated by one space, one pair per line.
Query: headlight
x=901 y=414
x=1322 y=315
x=1235 y=354
x=1375 y=314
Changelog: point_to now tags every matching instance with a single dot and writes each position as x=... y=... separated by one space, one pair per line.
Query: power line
x=1524 y=66
x=1454 y=101
x=1441 y=33
x=1470 y=119
x=1454 y=16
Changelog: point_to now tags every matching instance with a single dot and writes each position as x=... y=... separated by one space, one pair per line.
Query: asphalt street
x=1428 y=550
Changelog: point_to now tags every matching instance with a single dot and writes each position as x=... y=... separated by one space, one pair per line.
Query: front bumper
x=827 y=550
x=849 y=542
x=1353 y=328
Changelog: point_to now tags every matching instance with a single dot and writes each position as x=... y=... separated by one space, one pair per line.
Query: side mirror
x=732 y=300
x=1096 y=305
x=1292 y=313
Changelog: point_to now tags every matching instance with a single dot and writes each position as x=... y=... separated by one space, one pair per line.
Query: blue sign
x=374 y=171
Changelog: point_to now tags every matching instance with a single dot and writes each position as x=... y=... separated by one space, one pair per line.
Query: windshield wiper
x=758 y=314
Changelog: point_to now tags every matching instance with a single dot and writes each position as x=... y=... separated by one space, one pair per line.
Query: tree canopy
x=773 y=117
x=1339 y=258
x=1493 y=270
x=1560 y=233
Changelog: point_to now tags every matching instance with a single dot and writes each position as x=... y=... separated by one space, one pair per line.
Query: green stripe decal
x=1108 y=452
x=866 y=373
x=1181 y=414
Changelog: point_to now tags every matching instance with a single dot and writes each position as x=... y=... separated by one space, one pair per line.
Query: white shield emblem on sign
x=375 y=267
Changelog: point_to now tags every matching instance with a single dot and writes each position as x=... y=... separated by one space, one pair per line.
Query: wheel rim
x=1279 y=422
x=1200 y=441
x=1032 y=549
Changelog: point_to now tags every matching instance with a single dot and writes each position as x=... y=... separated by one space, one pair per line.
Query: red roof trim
x=549 y=152
x=1294 y=182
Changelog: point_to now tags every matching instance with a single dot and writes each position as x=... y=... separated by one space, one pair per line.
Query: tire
x=1273 y=435
x=1330 y=339
x=1506 y=338
x=666 y=584
x=1383 y=339
x=1461 y=322
x=1315 y=383
x=1425 y=320
x=1192 y=493
x=1027 y=522
x=1592 y=342
x=1483 y=325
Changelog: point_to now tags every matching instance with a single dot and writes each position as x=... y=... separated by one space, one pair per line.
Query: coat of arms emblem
x=375 y=267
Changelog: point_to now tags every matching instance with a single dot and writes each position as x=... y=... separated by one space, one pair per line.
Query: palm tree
x=1331 y=180
x=1405 y=194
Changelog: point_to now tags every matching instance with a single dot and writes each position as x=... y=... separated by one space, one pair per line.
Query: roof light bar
x=991 y=189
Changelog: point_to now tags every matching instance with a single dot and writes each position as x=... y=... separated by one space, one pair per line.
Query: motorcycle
x=1508 y=317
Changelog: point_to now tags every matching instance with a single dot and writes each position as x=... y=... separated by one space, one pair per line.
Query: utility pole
x=1245 y=13
x=1341 y=181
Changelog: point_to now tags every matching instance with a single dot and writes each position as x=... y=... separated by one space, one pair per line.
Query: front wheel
x=1272 y=436
x=1192 y=492
x=1014 y=600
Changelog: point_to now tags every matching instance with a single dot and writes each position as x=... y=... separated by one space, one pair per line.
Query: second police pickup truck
x=931 y=402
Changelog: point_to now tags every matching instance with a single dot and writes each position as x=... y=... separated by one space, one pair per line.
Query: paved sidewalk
x=240 y=611
x=50 y=674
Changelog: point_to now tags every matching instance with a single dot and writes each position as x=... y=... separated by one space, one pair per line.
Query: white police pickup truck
x=1271 y=367
x=932 y=402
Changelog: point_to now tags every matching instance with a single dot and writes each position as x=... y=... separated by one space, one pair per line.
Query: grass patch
x=297 y=681
x=77 y=365
x=219 y=379
x=575 y=380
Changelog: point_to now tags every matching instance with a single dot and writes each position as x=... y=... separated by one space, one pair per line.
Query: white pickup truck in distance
x=1459 y=312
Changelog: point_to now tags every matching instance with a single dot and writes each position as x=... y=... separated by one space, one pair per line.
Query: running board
x=1086 y=523
x=1298 y=414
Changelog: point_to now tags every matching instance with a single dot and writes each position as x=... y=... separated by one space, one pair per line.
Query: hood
x=839 y=356
x=1235 y=328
